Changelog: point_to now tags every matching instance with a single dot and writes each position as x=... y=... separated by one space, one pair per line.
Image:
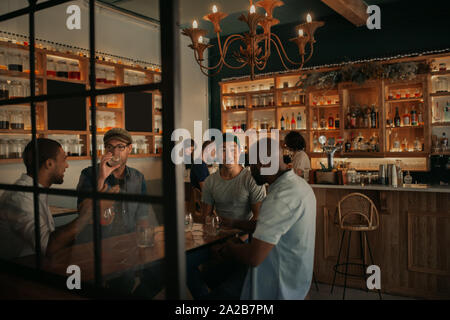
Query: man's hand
x=226 y=222
x=105 y=170
x=85 y=208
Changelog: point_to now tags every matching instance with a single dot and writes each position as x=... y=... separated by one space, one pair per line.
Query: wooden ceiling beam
x=354 y=11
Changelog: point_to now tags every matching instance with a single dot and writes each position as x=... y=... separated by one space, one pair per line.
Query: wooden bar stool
x=356 y=213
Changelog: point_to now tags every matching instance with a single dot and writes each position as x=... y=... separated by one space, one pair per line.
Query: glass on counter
x=4 y=89
x=16 y=120
x=4 y=119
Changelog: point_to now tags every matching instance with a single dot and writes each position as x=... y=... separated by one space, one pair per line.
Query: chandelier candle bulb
x=308 y=18
x=200 y=39
x=252 y=9
x=300 y=32
x=194 y=24
x=214 y=9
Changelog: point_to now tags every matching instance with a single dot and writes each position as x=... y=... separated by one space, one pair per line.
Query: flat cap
x=118 y=134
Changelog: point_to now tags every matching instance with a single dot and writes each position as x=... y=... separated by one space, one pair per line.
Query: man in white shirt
x=17 y=228
x=281 y=253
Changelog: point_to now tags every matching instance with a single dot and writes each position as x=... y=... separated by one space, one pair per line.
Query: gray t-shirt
x=233 y=198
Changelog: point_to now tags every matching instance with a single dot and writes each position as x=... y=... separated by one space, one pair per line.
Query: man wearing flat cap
x=113 y=173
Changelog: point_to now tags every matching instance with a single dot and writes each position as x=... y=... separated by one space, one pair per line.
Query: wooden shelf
x=326 y=106
x=66 y=80
x=440 y=73
x=70 y=158
x=15 y=131
x=261 y=108
x=247 y=93
x=17 y=74
x=144 y=133
x=297 y=130
x=326 y=130
x=440 y=94
x=290 y=89
x=405 y=127
x=420 y=99
x=359 y=154
x=117 y=110
x=67 y=132
x=149 y=155
x=292 y=106
x=441 y=124
x=235 y=110
x=361 y=129
x=407 y=154
x=443 y=153
x=18 y=160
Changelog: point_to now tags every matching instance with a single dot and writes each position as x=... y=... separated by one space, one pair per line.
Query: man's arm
x=251 y=254
x=248 y=226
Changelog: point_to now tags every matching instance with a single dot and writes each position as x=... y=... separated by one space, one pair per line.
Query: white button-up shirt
x=17 y=232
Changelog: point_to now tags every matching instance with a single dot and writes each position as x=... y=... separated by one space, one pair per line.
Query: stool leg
x=363 y=257
x=371 y=259
x=315 y=282
x=337 y=263
x=346 y=264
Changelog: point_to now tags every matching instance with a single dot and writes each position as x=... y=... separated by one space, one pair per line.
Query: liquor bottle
x=413 y=117
x=406 y=118
x=444 y=142
x=405 y=145
x=299 y=121
x=293 y=123
x=282 y=126
x=417 y=145
x=396 y=143
x=323 y=122
x=366 y=117
x=288 y=123
x=314 y=123
x=330 y=122
x=315 y=141
x=348 y=146
x=397 y=121
x=353 y=120
x=336 y=121
x=447 y=112
x=373 y=118
x=420 y=118
x=348 y=120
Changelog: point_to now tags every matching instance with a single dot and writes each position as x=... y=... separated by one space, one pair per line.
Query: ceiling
x=293 y=10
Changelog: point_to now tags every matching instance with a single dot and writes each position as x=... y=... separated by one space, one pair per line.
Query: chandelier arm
x=225 y=52
x=226 y=45
x=279 y=54
x=205 y=67
x=285 y=54
x=310 y=51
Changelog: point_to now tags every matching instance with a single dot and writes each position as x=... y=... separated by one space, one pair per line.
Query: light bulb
x=200 y=39
x=300 y=32
x=252 y=9
x=308 y=18
x=194 y=24
x=214 y=9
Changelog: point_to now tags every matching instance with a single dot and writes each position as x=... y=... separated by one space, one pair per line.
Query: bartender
x=296 y=144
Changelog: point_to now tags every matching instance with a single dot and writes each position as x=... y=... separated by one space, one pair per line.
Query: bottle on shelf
x=397 y=121
x=373 y=117
x=366 y=117
x=447 y=112
x=348 y=120
x=348 y=146
x=444 y=142
x=315 y=143
x=314 y=123
x=282 y=123
x=396 y=143
x=353 y=119
x=420 y=121
x=288 y=123
x=293 y=122
x=323 y=122
x=406 y=118
x=407 y=179
x=413 y=117
x=330 y=122
x=299 y=121
x=336 y=121
x=404 y=145
x=417 y=145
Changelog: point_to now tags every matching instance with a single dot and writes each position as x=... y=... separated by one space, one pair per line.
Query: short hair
x=205 y=144
x=295 y=141
x=229 y=137
x=46 y=149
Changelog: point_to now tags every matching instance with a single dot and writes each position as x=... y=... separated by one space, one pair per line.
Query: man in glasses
x=113 y=172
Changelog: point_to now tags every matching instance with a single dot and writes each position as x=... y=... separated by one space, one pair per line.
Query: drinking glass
x=212 y=225
x=145 y=236
x=188 y=222
x=107 y=216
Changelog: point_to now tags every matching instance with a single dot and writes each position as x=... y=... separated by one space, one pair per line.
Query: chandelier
x=256 y=47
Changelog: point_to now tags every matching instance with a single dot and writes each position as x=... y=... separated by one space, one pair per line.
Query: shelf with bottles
x=288 y=82
x=235 y=122
x=142 y=146
x=323 y=120
x=107 y=120
x=157 y=121
x=12 y=145
x=65 y=69
x=404 y=93
x=264 y=85
x=408 y=115
x=157 y=103
x=134 y=77
x=74 y=145
x=17 y=118
x=404 y=141
x=15 y=63
x=324 y=98
x=157 y=145
x=234 y=103
x=440 y=76
x=291 y=98
x=262 y=119
x=362 y=142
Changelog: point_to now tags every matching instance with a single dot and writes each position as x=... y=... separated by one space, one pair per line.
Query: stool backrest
x=356 y=209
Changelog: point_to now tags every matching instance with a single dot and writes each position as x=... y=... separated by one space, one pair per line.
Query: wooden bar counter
x=411 y=245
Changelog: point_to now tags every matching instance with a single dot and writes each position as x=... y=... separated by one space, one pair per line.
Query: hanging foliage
x=367 y=71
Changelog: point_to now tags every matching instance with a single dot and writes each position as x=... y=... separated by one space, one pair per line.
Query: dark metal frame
x=173 y=186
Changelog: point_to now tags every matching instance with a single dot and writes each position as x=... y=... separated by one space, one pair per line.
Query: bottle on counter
x=282 y=123
x=336 y=121
x=397 y=121
x=407 y=179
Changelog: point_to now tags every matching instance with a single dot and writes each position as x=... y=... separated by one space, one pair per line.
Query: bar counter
x=411 y=245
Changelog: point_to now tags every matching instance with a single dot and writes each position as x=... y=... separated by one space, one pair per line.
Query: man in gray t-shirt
x=233 y=191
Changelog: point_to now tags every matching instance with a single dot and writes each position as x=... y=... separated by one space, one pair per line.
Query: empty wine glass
x=188 y=222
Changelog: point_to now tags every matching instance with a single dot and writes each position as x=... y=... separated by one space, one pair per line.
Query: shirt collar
x=29 y=180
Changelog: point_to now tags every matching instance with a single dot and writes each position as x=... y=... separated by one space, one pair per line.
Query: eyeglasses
x=111 y=148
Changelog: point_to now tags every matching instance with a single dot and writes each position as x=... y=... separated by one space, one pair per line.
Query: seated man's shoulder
x=135 y=173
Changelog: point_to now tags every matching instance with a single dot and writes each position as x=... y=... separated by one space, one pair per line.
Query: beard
x=256 y=174
x=58 y=178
